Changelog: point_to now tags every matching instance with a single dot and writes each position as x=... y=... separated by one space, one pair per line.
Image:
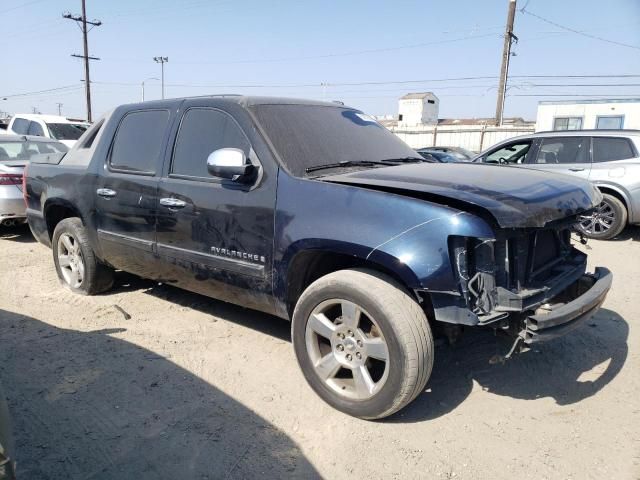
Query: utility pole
x=161 y=61
x=59 y=109
x=146 y=79
x=82 y=22
x=509 y=38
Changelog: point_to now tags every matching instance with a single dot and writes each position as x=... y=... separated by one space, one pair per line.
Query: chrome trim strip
x=225 y=263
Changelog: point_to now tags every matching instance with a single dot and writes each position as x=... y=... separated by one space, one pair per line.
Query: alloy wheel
x=600 y=221
x=347 y=349
x=70 y=260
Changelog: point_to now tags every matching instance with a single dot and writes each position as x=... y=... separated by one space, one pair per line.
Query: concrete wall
x=472 y=137
x=588 y=111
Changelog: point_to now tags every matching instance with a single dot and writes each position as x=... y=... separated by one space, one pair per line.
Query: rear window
x=26 y=150
x=138 y=141
x=610 y=149
x=66 y=131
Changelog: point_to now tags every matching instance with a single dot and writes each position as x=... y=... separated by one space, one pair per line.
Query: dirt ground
x=175 y=385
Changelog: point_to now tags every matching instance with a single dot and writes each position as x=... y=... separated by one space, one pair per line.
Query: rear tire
x=607 y=221
x=76 y=264
x=363 y=343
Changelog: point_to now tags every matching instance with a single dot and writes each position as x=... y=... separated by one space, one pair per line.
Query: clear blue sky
x=223 y=46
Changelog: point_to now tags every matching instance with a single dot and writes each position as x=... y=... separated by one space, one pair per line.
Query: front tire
x=76 y=264
x=363 y=344
x=607 y=221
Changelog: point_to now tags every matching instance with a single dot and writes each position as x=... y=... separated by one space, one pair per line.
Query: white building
x=418 y=109
x=588 y=114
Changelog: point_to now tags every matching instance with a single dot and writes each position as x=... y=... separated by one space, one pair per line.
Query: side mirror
x=230 y=163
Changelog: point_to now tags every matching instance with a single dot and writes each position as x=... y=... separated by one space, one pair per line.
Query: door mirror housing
x=229 y=163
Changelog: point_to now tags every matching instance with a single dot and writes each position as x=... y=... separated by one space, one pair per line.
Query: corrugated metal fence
x=475 y=139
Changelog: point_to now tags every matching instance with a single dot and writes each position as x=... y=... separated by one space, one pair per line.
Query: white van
x=50 y=126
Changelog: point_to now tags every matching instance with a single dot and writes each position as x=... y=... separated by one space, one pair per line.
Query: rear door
x=568 y=155
x=215 y=236
x=127 y=191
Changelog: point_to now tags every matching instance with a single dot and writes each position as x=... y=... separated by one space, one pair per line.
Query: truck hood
x=515 y=197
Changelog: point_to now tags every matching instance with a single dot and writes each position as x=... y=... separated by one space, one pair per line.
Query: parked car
x=459 y=153
x=440 y=157
x=15 y=153
x=316 y=213
x=50 y=126
x=610 y=159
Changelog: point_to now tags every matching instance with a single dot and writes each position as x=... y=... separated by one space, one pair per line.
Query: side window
x=20 y=126
x=202 y=131
x=567 y=123
x=35 y=129
x=563 y=150
x=514 y=153
x=610 y=149
x=138 y=141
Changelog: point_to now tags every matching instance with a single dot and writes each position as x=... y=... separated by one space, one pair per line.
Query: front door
x=568 y=155
x=215 y=236
x=127 y=191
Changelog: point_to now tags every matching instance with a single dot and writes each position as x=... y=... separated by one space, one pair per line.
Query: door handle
x=577 y=169
x=106 y=192
x=172 y=203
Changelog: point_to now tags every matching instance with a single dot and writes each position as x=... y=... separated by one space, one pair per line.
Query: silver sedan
x=16 y=151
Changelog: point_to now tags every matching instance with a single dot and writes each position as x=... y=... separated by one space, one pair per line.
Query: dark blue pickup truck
x=314 y=212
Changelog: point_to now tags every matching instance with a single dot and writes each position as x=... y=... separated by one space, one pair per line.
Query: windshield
x=66 y=131
x=26 y=150
x=311 y=135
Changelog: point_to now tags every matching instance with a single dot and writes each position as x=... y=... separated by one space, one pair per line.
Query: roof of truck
x=246 y=100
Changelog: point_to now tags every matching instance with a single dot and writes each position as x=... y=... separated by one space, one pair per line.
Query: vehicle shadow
x=262 y=322
x=90 y=405
x=568 y=369
x=20 y=233
x=632 y=232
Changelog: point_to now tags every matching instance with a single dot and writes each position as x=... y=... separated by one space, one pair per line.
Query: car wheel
x=76 y=264
x=607 y=221
x=363 y=343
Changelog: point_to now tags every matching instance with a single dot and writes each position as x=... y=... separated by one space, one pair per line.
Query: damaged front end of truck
x=529 y=283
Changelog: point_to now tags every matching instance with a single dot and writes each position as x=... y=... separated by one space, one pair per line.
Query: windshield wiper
x=405 y=160
x=347 y=163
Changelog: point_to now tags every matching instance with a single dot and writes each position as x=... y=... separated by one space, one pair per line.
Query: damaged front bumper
x=530 y=285
x=569 y=309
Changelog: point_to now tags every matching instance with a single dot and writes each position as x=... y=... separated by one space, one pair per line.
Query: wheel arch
x=56 y=210
x=618 y=193
x=306 y=265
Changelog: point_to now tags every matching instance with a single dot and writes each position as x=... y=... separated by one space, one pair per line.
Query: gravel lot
x=149 y=381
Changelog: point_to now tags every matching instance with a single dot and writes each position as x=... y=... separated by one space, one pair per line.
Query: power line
x=373 y=83
x=599 y=95
x=357 y=84
x=331 y=55
x=578 y=32
x=21 y=6
x=38 y=92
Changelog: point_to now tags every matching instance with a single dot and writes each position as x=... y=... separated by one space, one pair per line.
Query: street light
x=150 y=78
x=161 y=61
